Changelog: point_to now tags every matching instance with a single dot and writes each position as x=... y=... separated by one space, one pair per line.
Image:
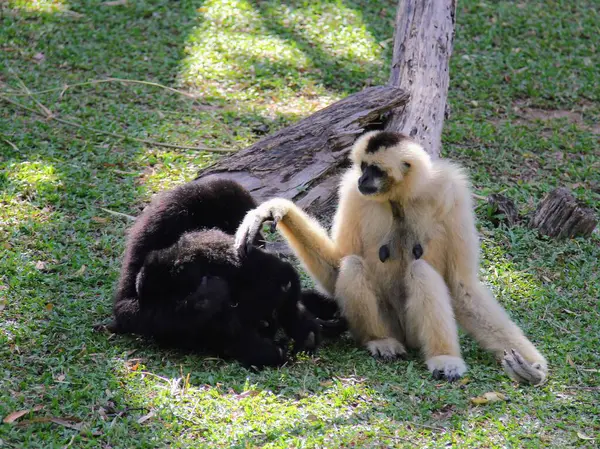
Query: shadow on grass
x=62 y=249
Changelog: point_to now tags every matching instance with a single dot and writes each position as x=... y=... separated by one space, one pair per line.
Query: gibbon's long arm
x=306 y=237
x=478 y=312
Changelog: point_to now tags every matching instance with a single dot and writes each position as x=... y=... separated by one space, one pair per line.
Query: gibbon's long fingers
x=248 y=230
x=274 y=224
x=309 y=241
x=480 y=315
x=521 y=370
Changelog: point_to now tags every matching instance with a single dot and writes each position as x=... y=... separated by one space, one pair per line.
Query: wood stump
x=504 y=210
x=559 y=215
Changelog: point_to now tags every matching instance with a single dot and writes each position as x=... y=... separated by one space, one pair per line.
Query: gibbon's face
x=373 y=180
x=387 y=161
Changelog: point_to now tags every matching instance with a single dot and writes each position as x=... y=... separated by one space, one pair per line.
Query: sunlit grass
x=45 y=6
x=32 y=178
x=339 y=30
x=238 y=54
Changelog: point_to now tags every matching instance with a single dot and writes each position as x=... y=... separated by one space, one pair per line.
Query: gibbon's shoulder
x=450 y=185
x=204 y=193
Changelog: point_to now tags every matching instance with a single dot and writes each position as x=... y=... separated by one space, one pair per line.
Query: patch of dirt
x=575 y=117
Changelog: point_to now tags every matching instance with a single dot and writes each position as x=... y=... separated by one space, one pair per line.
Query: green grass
x=256 y=66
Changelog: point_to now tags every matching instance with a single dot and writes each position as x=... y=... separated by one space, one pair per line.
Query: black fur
x=383 y=140
x=184 y=285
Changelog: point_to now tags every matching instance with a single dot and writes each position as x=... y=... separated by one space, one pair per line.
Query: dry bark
x=422 y=48
x=559 y=215
x=504 y=210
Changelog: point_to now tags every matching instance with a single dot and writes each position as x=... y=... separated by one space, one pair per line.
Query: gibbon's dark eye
x=406 y=165
x=285 y=288
x=363 y=166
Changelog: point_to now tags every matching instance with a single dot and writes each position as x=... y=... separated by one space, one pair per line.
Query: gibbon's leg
x=359 y=306
x=430 y=321
x=482 y=316
x=477 y=311
x=306 y=237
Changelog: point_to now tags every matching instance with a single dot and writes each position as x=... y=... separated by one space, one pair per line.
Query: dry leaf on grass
x=488 y=398
x=100 y=220
x=583 y=436
x=247 y=393
x=444 y=413
x=146 y=417
x=12 y=417
x=68 y=422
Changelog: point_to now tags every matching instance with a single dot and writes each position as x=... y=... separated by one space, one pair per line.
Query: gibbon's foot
x=111 y=326
x=333 y=328
x=386 y=348
x=307 y=336
x=308 y=345
x=446 y=367
x=521 y=370
x=273 y=356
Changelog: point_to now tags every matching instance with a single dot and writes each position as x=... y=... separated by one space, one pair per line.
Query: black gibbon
x=442 y=286
x=183 y=284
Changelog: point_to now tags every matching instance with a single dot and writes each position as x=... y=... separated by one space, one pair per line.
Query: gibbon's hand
x=521 y=370
x=273 y=210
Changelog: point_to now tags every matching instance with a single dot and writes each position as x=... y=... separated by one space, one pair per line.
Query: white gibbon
x=365 y=276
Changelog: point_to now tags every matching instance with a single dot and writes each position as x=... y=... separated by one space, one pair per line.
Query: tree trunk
x=422 y=48
x=302 y=162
